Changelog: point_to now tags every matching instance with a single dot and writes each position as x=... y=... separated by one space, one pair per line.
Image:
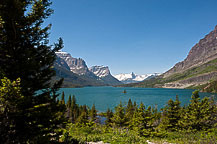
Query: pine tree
x=75 y=111
x=24 y=49
x=82 y=120
x=199 y=115
x=93 y=113
x=143 y=121
x=135 y=105
x=63 y=98
x=109 y=115
x=69 y=102
x=138 y=122
x=171 y=115
x=118 y=118
x=129 y=111
x=192 y=114
x=25 y=54
x=68 y=107
x=208 y=111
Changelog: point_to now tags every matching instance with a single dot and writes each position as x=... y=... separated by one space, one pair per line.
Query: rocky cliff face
x=75 y=72
x=76 y=65
x=199 y=68
x=104 y=74
x=202 y=52
x=61 y=63
x=72 y=79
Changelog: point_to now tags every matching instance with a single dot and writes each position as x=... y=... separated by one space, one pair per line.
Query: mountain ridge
x=133 y=78
x=76 y=73
x=203 y=51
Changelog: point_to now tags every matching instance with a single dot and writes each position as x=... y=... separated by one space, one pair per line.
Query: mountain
x=201 y=53
x=198 y=70
x=76 y=65
x=72 y=79
x=104 y=74
x=133 y=78
x=76 y=73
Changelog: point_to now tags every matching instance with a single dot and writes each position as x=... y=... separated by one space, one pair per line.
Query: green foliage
x=145 y=121
x=24 y=48
x=68 y=107
x=210 y=87
x=109 y=115
x=97 y=133
x=82 y=119
x=200 y=114
x=16 y=120
x=75 y=112
x=11 y=101
x=93 y=113
x=118 y=118
x=69 y=102
x=25 y=53
x=139 y=122
x=171 y=115
x=195 y=123
x=63 y=98
x=130 y=109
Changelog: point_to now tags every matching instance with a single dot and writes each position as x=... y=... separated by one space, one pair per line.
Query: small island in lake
x=124 y=91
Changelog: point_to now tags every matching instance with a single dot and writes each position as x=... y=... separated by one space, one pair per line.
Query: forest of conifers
x=135 y=123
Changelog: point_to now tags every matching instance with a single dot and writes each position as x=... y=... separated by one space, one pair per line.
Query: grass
x=107 y=135
x=97 y=133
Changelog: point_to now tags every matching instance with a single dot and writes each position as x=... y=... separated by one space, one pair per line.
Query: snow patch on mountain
x=123 y=77
x=100 y=71
x=76 y=65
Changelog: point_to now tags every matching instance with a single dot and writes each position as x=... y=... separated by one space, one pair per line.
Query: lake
x=109 y=97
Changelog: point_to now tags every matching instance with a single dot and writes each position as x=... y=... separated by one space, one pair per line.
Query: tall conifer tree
x=25 y=53
x=93 y=113
x=171 y=115
x=129 y=111
x=118 y=118
x=200 y=114
x=109 y=115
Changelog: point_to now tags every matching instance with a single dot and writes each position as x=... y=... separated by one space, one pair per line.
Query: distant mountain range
x=134 y=78
x=76 y=73
x=197 y=71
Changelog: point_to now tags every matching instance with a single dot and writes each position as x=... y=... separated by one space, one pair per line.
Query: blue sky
x=141 y=36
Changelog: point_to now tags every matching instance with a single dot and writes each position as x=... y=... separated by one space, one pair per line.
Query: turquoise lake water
x=109 y=97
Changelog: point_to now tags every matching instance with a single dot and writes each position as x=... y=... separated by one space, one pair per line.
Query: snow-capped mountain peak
x=123 y=77
x=133 y=78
